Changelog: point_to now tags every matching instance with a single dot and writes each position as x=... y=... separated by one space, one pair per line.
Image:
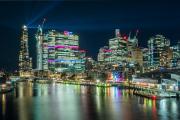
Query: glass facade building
x=158 y=47
x=61 y=53
x=175 y=62
x=119 y=49
x=25 y=62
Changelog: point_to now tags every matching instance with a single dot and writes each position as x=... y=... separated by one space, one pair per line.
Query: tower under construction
x=25 y=62
x=39 y=38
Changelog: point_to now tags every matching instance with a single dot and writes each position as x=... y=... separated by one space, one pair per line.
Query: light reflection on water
x=73 y=102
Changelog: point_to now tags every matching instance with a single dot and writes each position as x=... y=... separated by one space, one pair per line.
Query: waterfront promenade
x=140 y=90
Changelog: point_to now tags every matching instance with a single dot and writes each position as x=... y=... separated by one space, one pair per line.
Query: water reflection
x=73 y=102
x=3 y=104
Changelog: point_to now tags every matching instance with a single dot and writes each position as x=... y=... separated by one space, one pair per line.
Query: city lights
x=60 y=52
x=76 y=60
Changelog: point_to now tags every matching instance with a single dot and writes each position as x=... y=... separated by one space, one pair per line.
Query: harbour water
x=32 y=101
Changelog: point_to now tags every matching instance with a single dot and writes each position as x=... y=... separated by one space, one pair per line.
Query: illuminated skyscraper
x=175 y=62
x=158 y=52
x=61 y=53
x=119 y=50
x=145 y=59
x=137 y=56
x=104 y=54
x=119 y=47
x=25 y=62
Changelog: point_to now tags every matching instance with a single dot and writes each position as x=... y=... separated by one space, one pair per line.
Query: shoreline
x=150 y=93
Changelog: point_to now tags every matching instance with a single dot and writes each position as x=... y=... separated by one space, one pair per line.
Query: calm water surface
x=73 y=102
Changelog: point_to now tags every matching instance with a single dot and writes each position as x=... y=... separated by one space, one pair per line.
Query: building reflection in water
x=149 y=107
x=57 y=101
x=3 y=104
x=154 y=110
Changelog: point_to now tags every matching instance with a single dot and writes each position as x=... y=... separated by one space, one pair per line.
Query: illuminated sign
x=67 y=33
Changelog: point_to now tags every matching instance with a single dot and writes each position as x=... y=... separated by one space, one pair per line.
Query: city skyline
x=90 y=59
x=92 y=26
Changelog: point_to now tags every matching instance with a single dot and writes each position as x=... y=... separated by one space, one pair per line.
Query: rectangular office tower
x=175 y=61
x=61 y=53
x=119 y=50
x=158 y=55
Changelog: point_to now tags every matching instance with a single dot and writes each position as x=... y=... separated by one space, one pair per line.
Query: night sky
x=94 y=21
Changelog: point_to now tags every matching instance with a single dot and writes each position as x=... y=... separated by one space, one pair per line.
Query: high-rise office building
x=158 y=52
x=119 y=49
x=89 y=63
x=175 y=62
x=104 y=54
x=61 y=53
x=25 y=62
x=145 y=59
x=137 y=56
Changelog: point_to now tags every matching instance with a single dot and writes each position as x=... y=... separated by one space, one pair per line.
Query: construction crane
x=134 y=40
x=135 y=37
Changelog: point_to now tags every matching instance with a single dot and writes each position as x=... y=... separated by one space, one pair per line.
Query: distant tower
x=39 y=39
x=25 y=62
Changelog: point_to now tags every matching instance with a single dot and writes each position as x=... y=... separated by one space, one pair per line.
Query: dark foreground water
x=74 y=102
